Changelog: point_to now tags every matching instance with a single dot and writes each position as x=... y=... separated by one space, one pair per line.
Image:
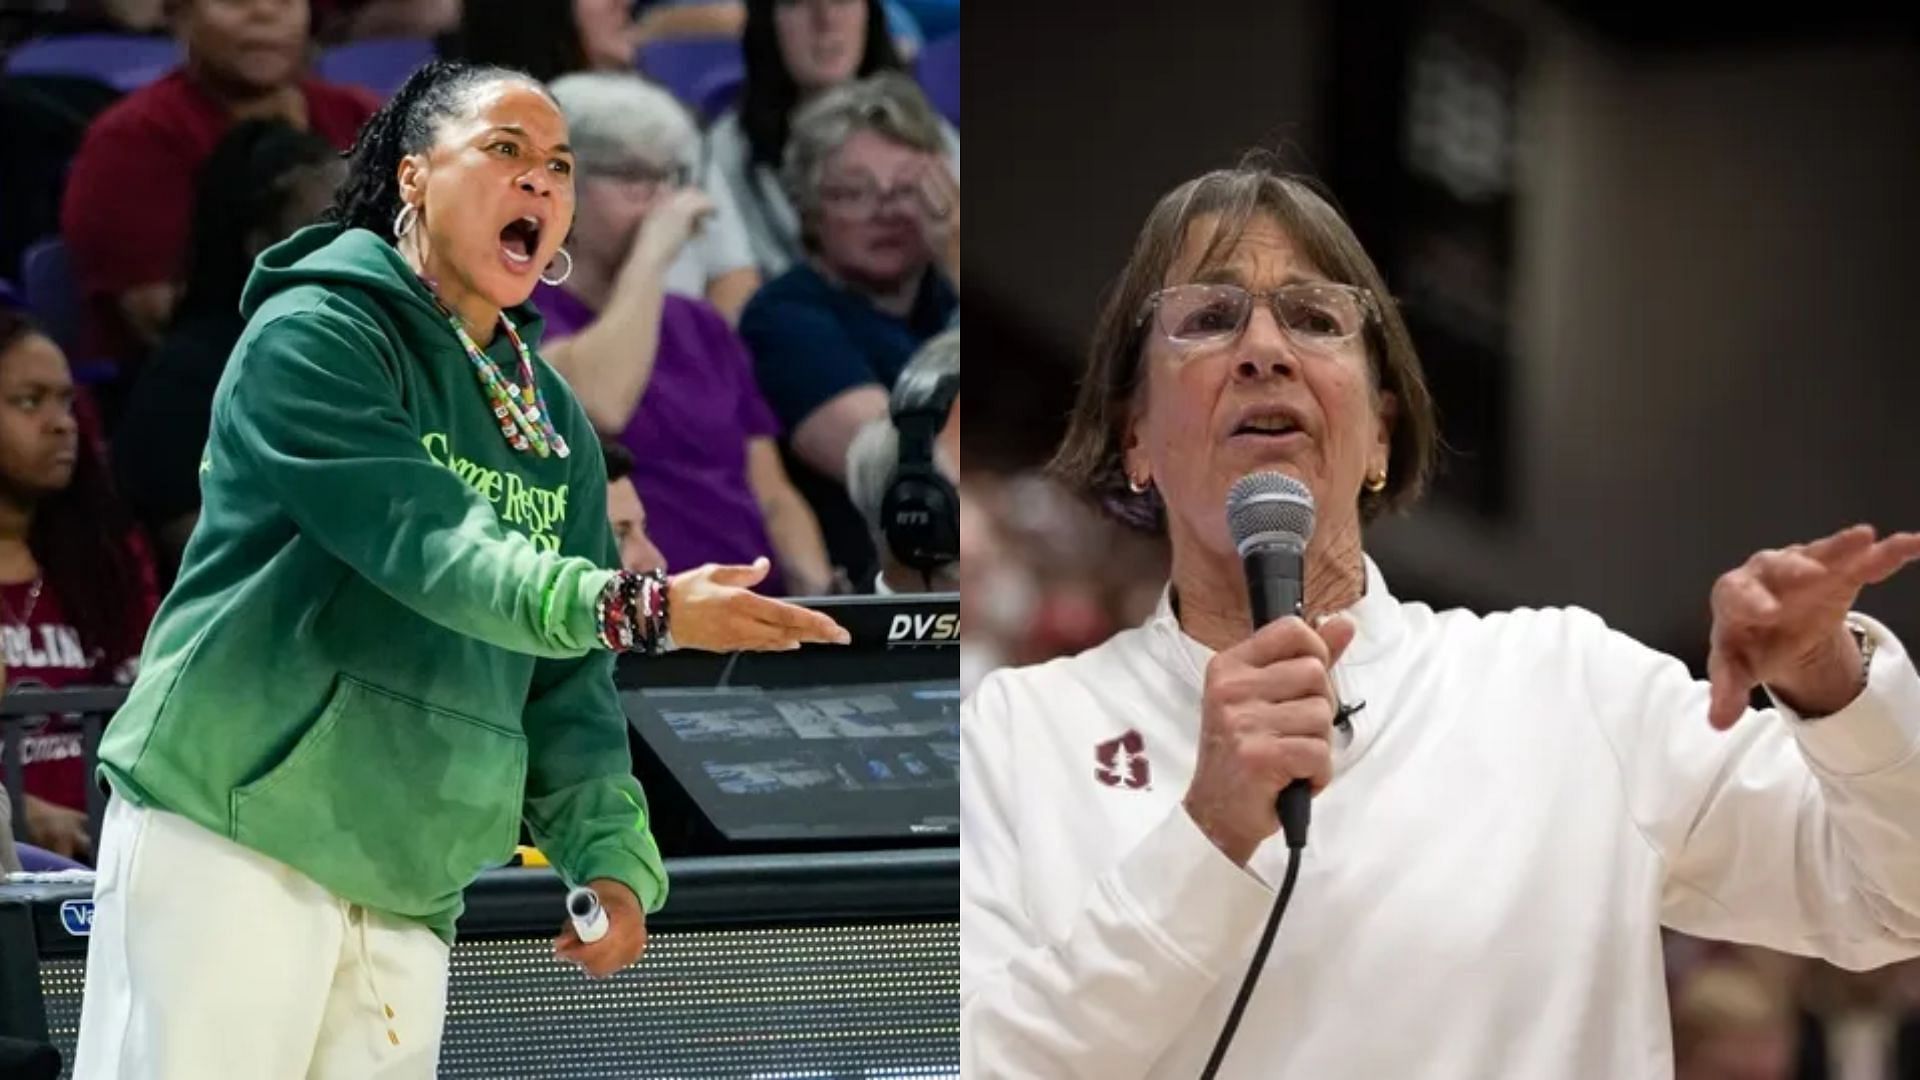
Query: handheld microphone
x=1270 y=515
x=589 y=918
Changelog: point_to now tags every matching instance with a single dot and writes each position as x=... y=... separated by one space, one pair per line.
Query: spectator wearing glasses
x=663 y=373
x=794 y=51
x=881 y=212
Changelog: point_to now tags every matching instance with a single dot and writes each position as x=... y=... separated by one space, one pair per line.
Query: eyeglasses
x=863 y=200
x=1317 y=315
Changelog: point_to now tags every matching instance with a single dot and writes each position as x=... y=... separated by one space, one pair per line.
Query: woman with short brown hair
x=1503 y=829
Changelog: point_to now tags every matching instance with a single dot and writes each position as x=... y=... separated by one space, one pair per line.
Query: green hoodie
x=381 y=650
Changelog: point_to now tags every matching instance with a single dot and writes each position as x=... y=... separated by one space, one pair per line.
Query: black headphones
x=920 y=512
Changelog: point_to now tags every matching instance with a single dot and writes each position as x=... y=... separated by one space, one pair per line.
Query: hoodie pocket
x=388 y=802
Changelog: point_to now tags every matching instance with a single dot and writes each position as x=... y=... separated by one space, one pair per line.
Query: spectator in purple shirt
x=663 y=373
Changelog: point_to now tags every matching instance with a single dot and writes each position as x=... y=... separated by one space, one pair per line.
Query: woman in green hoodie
x=393 y=633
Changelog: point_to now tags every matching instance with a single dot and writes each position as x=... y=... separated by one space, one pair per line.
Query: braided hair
x=406 y=124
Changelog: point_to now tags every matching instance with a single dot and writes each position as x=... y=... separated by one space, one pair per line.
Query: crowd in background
x=747 y=278
x=1043 y=573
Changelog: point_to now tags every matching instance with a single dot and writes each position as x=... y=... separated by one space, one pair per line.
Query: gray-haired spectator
x=880 y=212
x=919 y=549
x=638 y=134
x=795 y=51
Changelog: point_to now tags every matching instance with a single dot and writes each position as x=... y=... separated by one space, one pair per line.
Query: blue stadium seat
x=379 y=65
x=938 y=70
x=717 y=90
x=680 y=64
x=35 y=860
x=46 y=276
x=54 y=297
x=122 y=61
x=937 y=18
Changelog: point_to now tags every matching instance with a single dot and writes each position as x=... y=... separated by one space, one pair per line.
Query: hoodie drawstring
x=357 y=920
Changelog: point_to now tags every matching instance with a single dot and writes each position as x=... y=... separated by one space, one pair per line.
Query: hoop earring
x=564 y=274
x=1377 y=482
x=403 y=221
x=1139 y=487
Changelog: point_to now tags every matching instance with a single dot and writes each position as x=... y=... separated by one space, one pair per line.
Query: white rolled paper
x=589 y=918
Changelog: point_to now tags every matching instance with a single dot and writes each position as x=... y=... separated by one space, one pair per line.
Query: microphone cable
x=1253 y=972
x=1342 y=718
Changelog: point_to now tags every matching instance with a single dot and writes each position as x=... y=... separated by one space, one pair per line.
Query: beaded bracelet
x=632 y=613
x=616 y=625
x=653 y=623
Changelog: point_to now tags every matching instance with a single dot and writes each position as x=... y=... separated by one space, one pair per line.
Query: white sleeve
x=1799 y=835
x=1153 y=937
x=730 y=167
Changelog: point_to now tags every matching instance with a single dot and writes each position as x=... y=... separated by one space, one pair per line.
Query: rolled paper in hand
x=589 y=918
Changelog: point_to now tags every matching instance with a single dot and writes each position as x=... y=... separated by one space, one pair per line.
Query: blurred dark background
x=1658 y=261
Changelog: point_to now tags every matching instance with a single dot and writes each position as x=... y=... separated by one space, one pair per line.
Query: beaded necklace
x=524 y=418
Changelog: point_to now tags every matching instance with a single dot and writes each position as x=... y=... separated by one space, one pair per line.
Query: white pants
x=209 y=961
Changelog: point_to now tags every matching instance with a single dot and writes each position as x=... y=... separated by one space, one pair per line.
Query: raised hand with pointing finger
x=1780 y=621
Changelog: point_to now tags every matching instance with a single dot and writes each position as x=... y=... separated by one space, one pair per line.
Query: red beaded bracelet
x=633 y=613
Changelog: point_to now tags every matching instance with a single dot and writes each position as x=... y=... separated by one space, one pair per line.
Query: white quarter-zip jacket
x=1521 y=804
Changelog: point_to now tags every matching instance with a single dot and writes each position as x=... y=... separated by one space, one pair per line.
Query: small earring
x=1139 y=487
x=404 y=220
x=564 y=274
x=1377 y=482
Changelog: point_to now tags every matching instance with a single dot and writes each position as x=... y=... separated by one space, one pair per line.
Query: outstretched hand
x=714 y=608
x=1779 y=620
